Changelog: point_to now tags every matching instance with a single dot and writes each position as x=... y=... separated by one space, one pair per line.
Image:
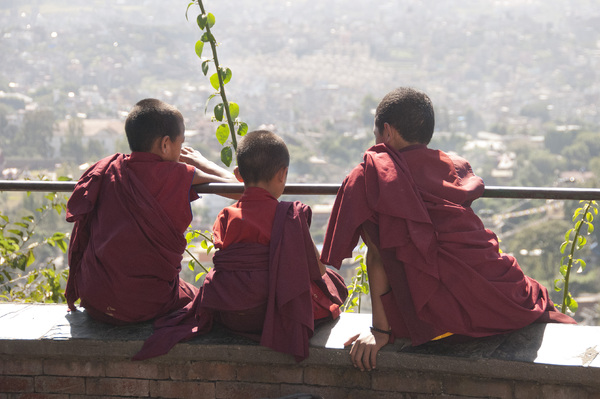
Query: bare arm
x=365 y=346
x=322 y=267
x=206 y=171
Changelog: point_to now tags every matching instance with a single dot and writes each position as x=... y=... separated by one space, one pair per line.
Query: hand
x=365 y=347
x=195 y=158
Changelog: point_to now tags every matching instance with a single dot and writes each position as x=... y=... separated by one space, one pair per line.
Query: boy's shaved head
x=152 y=119
x=260 y=155
x=410 y=112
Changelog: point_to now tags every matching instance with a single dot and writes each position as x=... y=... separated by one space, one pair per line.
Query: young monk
x=434 y=270
x=130 y=214
x=267 y=282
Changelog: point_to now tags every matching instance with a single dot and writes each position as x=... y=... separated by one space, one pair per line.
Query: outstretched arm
x=206 y=171
x=366 y=345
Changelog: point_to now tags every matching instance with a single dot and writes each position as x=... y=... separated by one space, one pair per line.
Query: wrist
x=379 y=330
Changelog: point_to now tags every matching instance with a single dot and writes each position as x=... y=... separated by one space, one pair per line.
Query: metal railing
x=558 y=193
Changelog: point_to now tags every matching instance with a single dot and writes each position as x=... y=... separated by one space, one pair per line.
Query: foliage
x=206 y=244
x=218 y=80
x=20 y=277
x=574 y=240
x=359 y=285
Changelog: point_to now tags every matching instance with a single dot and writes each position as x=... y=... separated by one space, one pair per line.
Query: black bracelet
x=379 y=330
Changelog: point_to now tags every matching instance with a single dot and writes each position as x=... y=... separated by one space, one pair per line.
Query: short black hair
x=152 y=119
x=260 y=155
x=410 y=112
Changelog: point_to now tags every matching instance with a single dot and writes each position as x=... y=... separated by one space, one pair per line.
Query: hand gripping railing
x=558 y=193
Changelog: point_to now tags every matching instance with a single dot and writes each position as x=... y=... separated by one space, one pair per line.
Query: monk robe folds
x=126 y=267
x=444 y=268
x=251 y=276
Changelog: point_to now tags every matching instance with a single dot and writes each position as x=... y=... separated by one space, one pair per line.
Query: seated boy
x=130 y=214
x=434 y=269
x=267 y=282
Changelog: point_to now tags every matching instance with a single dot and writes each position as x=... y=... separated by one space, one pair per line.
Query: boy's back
x=130 y=214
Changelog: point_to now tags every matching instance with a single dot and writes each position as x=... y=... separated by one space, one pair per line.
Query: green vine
x=21 y=278
x=358 y=287
x=206 y=244
x=574 y=240
x=218 y=80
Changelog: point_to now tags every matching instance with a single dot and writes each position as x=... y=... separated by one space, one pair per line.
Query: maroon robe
x=130 y=214
x=250 y=275
x=444 y=268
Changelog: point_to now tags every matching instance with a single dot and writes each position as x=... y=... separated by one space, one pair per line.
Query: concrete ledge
x=538 y=356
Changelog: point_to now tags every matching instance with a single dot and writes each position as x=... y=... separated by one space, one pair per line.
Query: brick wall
x=70 y=378
x=95 y=364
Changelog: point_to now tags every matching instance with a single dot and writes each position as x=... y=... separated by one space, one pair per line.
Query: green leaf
x=207 y=37
x=572 y=304
x=205 y=67
x=199 y=47
x=563 y=247
x=226 y=156
x=188 y=9
x=214 y=81
x=557 y=281
x=582 y=265
x=243 y=129
x=208 y=100
x=218 y=111
x=226 y=74
x=199 y=275
x=222 y=133
x=30 y=258
x=234 y=110
x=563 y=270
x=201 y=21
x=590 y=228
x=210 y=20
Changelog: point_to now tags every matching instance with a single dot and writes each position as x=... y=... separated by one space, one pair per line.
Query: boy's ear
x=164 y=144
x=282 y=174
x=238 y=176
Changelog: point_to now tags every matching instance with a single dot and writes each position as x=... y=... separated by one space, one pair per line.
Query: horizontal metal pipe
x=559 y=193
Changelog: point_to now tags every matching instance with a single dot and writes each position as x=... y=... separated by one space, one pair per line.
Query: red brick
x=403 y=381
x=325 y=392
x=244 y=390
x=23 y=366
x=459 y=385
x=337 y=376
x=74 y=368
x=523 y=390
x=269 y=373
x=563 y=392
x=180 y=389
x=52 y=384
x=130 y=369
x=16 y=384
x=203 y=371
x=117 y=386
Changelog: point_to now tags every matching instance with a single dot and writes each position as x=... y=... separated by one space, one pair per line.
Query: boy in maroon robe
x=434 y=270
x=130 y=213
x=267 y=282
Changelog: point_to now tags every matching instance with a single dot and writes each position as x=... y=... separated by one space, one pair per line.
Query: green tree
x=36 y=134
x=72 y=146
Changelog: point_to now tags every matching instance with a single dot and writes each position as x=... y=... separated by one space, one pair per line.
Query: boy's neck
x=265 y=186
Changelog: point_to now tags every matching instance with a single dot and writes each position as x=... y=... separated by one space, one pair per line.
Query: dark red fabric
x=126 y=247
x=444 y=267
x=249 y=220
x=248 y=275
